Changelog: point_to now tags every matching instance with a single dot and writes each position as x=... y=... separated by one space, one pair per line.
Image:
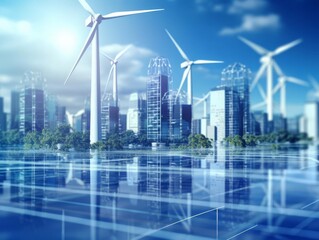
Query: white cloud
x=252 y=23
x=242 y=6
x=11 y=27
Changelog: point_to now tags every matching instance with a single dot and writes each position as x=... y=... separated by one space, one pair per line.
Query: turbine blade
x=128 y=13
x=108 y=57
x=86 y=45
x=286 y=47
x=120 y=54
x=108 y=80
x=69 y=117
x=87 y=7
x=258 y=75
x=297 y=81
x=260 y=50
x=258 y=105
x=199 y=102
x=177 y=46
x=278 y=69
x=262 y=92
x=206 y=62
x=277 y=87
x=79 y=181
x=79 y=113
x=196 y=98
x=185 y=74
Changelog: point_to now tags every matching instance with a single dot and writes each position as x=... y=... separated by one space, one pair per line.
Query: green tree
x=199 y=141
x=32 y=140
x=129 y=137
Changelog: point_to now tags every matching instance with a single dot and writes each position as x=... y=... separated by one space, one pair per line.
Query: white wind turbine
x=282 y=86
x=113 y=70
x=187 y=65
x=71 y=177
x=267 y=64
x=94 y=21
x=70 y=117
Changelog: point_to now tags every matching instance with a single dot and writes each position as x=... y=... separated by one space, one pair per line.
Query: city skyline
x=30 y=44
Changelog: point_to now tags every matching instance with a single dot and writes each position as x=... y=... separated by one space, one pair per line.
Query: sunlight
x=65 y=41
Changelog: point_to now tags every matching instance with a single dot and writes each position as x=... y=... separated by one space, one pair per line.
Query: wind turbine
x=94 y=21
x=282 y=86
x=114 y=71
x=267 y=64
x=71 y=117
x=187 y=65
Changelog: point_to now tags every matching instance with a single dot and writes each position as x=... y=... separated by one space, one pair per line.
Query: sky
x=47 y=36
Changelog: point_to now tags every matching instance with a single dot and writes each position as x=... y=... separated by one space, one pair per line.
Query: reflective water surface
x=254 y=193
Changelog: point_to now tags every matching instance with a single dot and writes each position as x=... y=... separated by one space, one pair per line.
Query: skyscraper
x=109 y=117
x=32 y=103
x=51 y=106
x=312 y=120
x=136 y=114
x=224 y=113
x=15 y=99
x=237 y=77
x=159 y=71
x=3 y=117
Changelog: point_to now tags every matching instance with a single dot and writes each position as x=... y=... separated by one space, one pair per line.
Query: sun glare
x=65 y=41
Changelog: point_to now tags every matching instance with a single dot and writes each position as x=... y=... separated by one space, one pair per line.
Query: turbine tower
x=94 y=21
x=282 y=86
x=187 y=65
x=267 y=64
x=114 y=71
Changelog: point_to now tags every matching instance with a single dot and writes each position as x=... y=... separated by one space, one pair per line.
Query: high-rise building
x=237 y=77
x=3 y=116
x=85 y=117
x=136 y=114
x=60 y=115
x=261 y=120
x=312 y=120
x=159 y=71
x=32 y=103
x=122 y=126
x=110 y=116
x=224 y=113
x=51 y=106
x=15 y=99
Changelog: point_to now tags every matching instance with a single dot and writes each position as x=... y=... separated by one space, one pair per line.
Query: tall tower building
x=224 y=113
x=311 y=114
x=237 y=77
x=51 y=106
x=110 y=116
x=85 y=117
x=15 y=99
x=159 y=71
x=3 y=116
x=32 y=103
x=136 y=114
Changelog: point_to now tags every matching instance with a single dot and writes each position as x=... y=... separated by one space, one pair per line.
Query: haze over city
x=47 y=37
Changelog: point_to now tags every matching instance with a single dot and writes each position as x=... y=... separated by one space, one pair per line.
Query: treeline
x=63 y=138
x=279 y=137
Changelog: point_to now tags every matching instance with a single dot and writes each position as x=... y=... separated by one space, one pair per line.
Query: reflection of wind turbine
x=188 y=70
x=94 y=21
x=282 y=86
x=71 y=117
x=114 y=70
x=267 y=63
x=71 y=177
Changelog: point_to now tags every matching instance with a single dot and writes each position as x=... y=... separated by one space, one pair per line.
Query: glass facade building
x=159 y=72
x=3 y=117
x=15 y=99
x=32 y=103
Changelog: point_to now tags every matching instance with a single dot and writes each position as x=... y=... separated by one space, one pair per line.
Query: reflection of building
x=136 y=114
x=32 y=103
x=3 y=117
x=15 y=99
x=311 y=113
x=159 y=72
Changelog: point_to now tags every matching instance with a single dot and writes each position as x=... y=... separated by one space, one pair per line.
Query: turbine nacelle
x=92 y=19
x=266 y=59
x=186 y=64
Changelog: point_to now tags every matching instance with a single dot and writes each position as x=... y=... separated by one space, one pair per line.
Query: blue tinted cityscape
x=162 y=120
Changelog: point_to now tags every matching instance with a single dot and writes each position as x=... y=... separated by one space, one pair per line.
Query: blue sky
x=34 y=36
